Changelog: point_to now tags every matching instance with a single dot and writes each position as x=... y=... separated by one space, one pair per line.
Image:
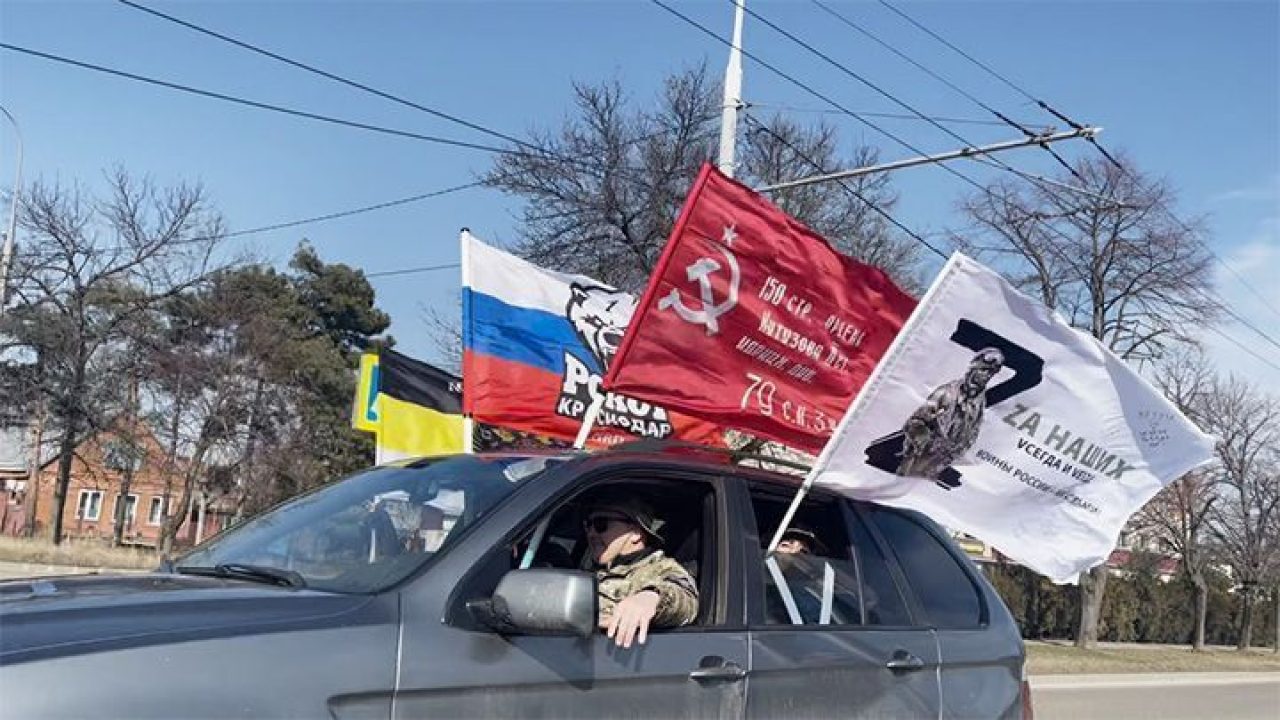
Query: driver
x=638 y=585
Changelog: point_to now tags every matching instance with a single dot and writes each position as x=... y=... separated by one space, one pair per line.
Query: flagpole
x=732 y=95
x=468 y=423
x=855 y=406
x=589 y=422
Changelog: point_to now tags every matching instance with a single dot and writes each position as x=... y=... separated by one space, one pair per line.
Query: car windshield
x=371 y=530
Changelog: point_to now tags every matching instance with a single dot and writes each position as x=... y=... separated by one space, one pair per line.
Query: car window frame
x=753 y=574
x=727 y=563
x=963 y=561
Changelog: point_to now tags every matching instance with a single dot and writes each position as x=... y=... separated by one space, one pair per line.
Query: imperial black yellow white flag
x=993 y=416
x=419 y=409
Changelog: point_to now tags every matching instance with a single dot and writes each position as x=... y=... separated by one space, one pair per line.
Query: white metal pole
x=6 y=255
x=732 y=95
x=589 y=422
x=464 y=254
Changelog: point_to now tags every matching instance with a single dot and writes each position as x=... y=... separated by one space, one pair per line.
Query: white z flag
x=992 y=416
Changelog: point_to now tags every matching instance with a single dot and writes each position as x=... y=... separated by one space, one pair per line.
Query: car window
x=686 y=509
x=944 y=590
x=843 y=577
x=814 y=578
x=370 y=530
x=882 y=598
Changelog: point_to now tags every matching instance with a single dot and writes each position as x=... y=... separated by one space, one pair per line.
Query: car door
x=451 y=667
x=863 y=653
x=979 y=643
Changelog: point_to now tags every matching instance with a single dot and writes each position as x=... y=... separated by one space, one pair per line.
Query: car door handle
x=714 y=667
x=903 y=661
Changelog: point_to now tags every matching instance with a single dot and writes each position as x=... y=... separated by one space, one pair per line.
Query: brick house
x=93 y=495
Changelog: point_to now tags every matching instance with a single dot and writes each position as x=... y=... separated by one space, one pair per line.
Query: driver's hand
x=631 y=617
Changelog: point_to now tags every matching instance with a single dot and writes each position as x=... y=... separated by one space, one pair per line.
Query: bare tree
x=603 y=199
x=1179 y=515
x=1245 y=520
x=445 y=332
x=1114 y=262
x=91 y=267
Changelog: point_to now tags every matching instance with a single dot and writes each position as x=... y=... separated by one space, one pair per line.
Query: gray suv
x=460 y=587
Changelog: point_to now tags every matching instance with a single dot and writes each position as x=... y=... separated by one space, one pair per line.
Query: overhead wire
x=334 y=77
x=890 y=116
x=809 y=89
x=533 y=148
x=843 y=109
x=357 y=211
x=1002 y=165
x=802 y=85
x=412 y=271
x=257 y=104
x=1092 y=141
x=1037 y=101
x=999 y=115
x=848 y=188
x=541 y=153
x=873 y=86
x=1242 y=346
x=311 y=220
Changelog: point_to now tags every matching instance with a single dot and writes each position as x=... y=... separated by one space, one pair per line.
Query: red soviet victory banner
x=754 y=321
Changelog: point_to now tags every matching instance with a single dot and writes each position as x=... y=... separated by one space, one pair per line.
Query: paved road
x=1167 y=696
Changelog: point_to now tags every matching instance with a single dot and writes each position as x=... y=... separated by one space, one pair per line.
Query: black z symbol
x=886 y=452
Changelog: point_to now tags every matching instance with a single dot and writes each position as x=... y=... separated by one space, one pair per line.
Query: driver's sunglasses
x=600 y=523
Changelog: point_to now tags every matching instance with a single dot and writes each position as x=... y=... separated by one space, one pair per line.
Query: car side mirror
x=541 y=602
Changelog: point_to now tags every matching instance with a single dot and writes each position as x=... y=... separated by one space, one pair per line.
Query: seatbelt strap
x=828 y=593
x=784 y=590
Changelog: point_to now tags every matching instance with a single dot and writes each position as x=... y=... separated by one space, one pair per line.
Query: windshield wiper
x=253 y=573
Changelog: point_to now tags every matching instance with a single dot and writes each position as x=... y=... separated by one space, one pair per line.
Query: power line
x=1002 y=165
x=356 y=211
x=851 y=190
x=803 y=86
x=1040 y=179
x=886 y=115
x=541 y=153
x=966 y=55
x=1236 y=316
x=534 y=149
x=1093 y=141
x=835 y=104
x=999 y=115
x=336 y=78
x=411 y=271
x=316 y=219
x=260 y=105
x=890 y=96
x=1243 y=347
x=1040 y=103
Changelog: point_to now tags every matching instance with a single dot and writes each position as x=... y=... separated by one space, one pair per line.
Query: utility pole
x=6 y=255
x=732 y=95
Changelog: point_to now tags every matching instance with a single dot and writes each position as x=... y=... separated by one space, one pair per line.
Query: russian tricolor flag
x=536 y=344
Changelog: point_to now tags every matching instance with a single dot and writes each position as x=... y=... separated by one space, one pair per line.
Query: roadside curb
x=10 y=570
x=1118 y=680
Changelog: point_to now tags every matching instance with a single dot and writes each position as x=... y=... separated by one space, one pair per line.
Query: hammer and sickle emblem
x=700 y=271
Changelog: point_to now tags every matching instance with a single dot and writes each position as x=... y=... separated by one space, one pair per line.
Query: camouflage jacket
x=677 y=591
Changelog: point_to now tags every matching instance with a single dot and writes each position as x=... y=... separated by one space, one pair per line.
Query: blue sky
x=1191 y=90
